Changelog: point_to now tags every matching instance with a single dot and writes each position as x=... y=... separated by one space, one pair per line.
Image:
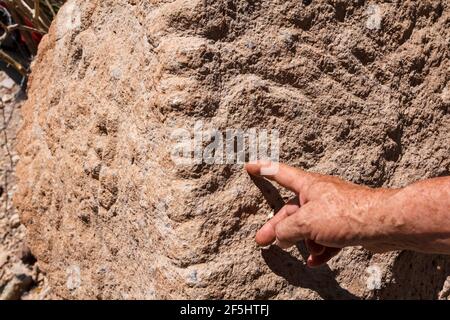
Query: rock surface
x=20 y=277
x=356 y=89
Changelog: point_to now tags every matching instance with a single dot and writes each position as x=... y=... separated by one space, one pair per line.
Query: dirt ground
x=20 y=278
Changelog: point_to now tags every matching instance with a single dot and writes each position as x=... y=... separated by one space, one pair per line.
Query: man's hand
x=329 y=214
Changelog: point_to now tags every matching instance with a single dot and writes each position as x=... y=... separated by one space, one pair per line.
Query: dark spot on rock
x=85 y=218
x=26 y=256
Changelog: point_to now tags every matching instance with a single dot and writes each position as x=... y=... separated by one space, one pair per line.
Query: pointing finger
x=288 y=177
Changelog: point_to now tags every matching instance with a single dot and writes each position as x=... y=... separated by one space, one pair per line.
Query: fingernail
x=310 y=264
x=283 y=245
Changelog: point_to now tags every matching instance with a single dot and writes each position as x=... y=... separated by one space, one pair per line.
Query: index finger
x=286 y=176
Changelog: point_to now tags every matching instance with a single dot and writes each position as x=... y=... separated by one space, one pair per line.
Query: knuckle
x=321 y=187
x=312 y=221
x=306 y=227
x=303 y=224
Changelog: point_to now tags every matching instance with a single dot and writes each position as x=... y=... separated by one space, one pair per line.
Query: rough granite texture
x=358 y=89
x=20 y=277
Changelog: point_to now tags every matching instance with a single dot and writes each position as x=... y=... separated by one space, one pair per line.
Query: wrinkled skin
x=329 y=213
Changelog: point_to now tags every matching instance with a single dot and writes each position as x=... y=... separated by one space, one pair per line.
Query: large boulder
x=356 y=90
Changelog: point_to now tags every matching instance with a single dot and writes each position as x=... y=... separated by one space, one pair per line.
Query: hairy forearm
x=417 y=217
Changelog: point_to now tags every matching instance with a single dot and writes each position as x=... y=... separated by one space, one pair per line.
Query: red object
x=35 y=36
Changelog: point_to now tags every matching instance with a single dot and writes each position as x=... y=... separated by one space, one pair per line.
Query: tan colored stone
x=109 y=215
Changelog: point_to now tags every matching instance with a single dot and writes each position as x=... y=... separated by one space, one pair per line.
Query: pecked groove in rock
x=110 y=215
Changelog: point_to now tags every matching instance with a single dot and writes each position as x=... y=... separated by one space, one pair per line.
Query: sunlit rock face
x=353 y=89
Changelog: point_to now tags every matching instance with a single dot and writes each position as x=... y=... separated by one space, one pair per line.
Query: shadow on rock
x=321 y=280
x=269 y=192
x=416 y=276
